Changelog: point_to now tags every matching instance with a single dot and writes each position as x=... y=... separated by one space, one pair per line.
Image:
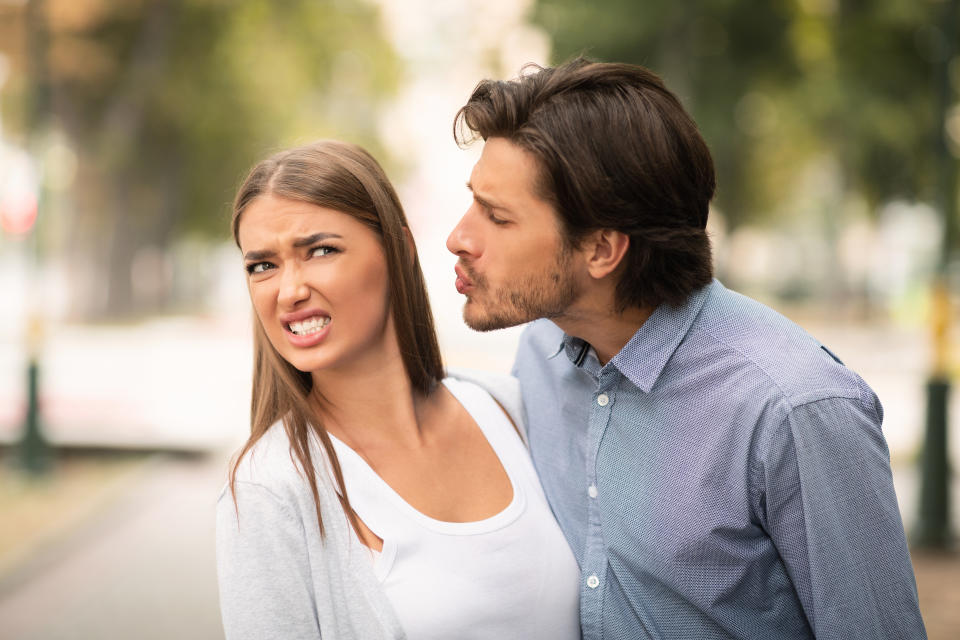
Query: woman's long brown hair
x=344 y=177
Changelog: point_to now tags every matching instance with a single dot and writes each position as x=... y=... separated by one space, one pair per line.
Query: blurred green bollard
x=933 y=525
x=933 y=522
x=35 y=453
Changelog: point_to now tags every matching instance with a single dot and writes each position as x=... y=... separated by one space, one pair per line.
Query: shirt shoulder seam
x=784 y=396
x=793 y=401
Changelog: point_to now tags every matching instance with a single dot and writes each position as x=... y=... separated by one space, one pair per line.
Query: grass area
x=37 y=509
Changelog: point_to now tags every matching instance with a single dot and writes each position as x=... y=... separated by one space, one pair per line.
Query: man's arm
x=827 y=501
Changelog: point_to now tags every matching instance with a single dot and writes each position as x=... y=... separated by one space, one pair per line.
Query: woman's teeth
x=308 y=326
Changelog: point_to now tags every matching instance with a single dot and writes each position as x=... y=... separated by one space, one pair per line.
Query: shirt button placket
x=595 y=560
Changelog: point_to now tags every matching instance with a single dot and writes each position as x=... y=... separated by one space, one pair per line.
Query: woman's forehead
x=269 y=217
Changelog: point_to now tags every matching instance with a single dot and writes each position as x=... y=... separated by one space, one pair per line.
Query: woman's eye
x=258 y=267
x=322 y=251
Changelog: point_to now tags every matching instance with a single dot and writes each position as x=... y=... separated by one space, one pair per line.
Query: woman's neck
x=370 y=403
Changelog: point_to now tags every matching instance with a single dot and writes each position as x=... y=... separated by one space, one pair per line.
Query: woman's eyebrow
x=315 y=237
x=305 y=241
x=258 y=255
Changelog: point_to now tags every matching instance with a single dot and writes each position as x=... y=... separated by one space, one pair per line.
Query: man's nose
x=463 y=240
x=293 y=287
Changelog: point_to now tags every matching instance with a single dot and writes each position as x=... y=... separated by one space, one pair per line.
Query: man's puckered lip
x=462 y=276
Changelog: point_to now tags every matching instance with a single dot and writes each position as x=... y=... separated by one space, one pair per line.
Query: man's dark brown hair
x=615 y=150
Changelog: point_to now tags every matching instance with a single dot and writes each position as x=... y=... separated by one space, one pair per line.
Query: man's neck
x=606 y=329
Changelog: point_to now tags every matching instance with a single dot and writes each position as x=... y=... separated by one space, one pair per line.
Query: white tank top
x=511 y=575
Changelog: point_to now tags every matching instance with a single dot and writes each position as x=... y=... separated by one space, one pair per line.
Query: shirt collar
x=644 y=357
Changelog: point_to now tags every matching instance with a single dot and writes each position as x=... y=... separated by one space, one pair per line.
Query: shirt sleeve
x=828 y=503
x=263 y=568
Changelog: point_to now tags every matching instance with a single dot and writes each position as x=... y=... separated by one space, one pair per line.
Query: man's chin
x=478 y=320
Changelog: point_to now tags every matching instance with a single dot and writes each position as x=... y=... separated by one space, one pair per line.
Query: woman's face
x=318 y=282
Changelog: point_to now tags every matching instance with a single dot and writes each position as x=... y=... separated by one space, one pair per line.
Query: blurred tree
x=776 y=86
x=167 y=102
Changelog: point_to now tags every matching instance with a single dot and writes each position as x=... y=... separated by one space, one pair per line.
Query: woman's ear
x=604 y=250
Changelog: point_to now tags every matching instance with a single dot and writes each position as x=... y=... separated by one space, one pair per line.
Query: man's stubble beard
x=538 y=296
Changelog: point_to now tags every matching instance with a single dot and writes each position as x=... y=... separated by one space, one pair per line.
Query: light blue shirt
x=723 y=476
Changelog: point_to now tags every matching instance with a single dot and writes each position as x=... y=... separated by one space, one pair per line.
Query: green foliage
x=189 y=94
x=248 y=78
x=169 y=102
x=776 y=85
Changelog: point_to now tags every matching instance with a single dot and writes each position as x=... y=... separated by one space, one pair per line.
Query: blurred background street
x=117 y=542
x=125 y=128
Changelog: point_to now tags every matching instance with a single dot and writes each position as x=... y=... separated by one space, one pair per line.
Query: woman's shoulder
x=268 y=461
x=503 y=388
x=271 y=465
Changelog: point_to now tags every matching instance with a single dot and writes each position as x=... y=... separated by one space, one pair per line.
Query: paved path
x=938 y=585
x=144 y=568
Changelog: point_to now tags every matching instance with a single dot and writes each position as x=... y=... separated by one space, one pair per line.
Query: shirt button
x=593 y=582
x=592 y=491
x=603 y=399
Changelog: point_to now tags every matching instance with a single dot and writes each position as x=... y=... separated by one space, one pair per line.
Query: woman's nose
x=293 y=287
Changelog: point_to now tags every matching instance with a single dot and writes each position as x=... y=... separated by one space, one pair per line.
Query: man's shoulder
x=758 y=339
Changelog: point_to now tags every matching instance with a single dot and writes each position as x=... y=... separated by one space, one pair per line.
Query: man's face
x=514 y=266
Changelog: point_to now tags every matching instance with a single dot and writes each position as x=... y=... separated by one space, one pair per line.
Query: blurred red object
x=18 y=212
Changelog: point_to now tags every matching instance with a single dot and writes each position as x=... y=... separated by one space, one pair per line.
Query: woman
x=375 y=498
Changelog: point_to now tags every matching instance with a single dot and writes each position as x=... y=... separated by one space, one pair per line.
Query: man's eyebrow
x=305 y=241
x=485 y=201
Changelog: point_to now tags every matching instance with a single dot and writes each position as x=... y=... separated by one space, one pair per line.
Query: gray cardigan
x=278 y=577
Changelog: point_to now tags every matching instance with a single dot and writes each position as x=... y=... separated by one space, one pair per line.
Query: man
x=717 y=472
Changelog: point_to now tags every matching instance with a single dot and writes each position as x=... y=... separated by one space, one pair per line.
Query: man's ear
x=604 y=250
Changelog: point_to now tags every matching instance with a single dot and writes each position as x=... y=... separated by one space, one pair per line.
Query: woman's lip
x=296 y=316
x=307 y=340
